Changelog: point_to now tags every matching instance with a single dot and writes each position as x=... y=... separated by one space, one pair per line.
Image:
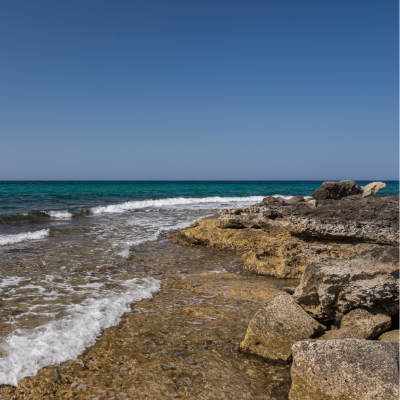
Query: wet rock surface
x=183 y=343
x=345 y=369
x=368 y=280
x=276 y=327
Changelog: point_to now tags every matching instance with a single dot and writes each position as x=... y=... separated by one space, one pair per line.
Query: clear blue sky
x=199 y=89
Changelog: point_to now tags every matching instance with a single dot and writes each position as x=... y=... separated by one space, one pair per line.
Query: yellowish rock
x=391 y=336
x=280 y=255
x=276 y=327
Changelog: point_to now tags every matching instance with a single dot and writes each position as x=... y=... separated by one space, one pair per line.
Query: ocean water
x=65 y=255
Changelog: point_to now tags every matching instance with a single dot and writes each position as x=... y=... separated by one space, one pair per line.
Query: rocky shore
x=294 y=299
x=339 y=326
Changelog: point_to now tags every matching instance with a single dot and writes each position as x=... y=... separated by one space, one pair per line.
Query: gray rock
x=336 y=190
x=369 y=220
x=360 y=324
x=345 y=369
x=391 y=336
x=368 y=280
x=372 y=188
x=276 y=327
x=295 y=200
x=272 y=200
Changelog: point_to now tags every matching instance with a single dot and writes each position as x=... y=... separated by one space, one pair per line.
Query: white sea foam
x=61 y=340
x=21 y=237
x=12 y=281
x=133 y=205
x=62 y=214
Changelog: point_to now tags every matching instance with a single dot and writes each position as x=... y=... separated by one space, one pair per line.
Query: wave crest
x=176 y=201
x=22 y=237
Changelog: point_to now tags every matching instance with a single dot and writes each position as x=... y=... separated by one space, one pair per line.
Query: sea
x=64 y=248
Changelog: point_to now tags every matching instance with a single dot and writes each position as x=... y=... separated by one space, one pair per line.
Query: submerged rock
x=391 y=336
x=360 y=324
x=368 y=280
x=276 y=327
x=345 y=369
x=336 y=190
x=372 y=188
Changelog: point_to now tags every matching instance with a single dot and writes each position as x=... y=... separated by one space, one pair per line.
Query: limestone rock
x=368 y=280
x=345 y=369
x=369 y=220
x=372 y=188
x=276 y=327
x=391 y=336
x=312 y=203
x=360 y=324
x=336 y=190
x=295 y=200
x=288 y=257
x=371 y=324
x=272 y=200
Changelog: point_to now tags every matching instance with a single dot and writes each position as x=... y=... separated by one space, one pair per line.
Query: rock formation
x=281 y=239
x=295 y=200
x=372 y=188
x=368 y=280
x=336 y=190
x=276 y=327
x=345 y=369
x=371 y=220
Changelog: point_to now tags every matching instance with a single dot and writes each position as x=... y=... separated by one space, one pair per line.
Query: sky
x=199 y=90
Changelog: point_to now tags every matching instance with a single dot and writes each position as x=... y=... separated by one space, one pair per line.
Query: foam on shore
x=22 y=237
x=65 y=339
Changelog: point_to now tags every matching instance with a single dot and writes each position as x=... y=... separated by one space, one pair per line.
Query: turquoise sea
x=28 y=196
x=68 y=252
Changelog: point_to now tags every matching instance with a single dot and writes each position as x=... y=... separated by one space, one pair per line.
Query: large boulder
x=336 y=190
x=372 y=188
x=360 y=324
x=276 y=327
x=345 y=369
x=368 y=280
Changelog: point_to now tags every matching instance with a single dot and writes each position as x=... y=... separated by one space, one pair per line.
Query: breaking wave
x=177 y=201
x=67 y=338
x=22 y=237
